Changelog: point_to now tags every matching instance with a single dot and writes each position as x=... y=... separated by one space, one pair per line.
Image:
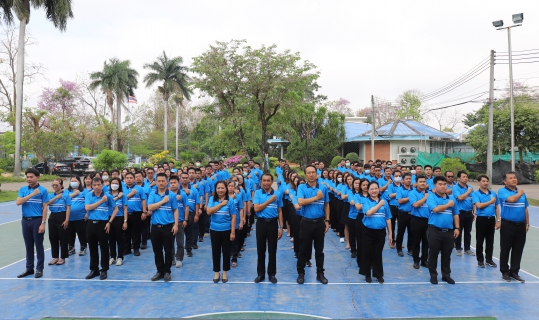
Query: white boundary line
x=261 y=312
x=526 y=272
x=9 y=265
x=1 y=224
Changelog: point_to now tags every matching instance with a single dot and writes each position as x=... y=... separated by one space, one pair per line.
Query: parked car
x=61 y=169
x=42 y=167
x=79 y=165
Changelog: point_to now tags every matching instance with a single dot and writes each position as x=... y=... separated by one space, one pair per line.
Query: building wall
x=382 y=150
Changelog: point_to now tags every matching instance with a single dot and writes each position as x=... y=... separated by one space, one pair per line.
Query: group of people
x=114 y=213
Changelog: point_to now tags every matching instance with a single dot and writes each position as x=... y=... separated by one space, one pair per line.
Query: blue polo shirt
x=414 y=196
x=77 y=211
x=165 y=213
x=60 y=205
x=393 y=189
x=403 y=193
x=512 y=211
x=294 y=197
x=282 y=189
x=134 y=204
x=272 y=210
x=314 y=210
x=193 y=198
x=104 y=210
x=465 y=204
x=34 y=206
x=182 y=204
x=344 y=192
x=357 y=198
x=238 y=202
x=443 y=219
x=378 y=219
x=430 y=182
x=120 y=203
x=220 y=221
x=482 y=197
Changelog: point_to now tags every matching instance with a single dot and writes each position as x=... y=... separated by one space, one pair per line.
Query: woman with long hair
x=59 y=206
x=345 y=192
x=118 y=224
x=235 y=194
x=77 y=223
x=359 y=198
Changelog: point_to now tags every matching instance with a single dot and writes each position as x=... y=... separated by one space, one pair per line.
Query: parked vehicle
x=61 y=169
x=42 y=167
x=79 y=165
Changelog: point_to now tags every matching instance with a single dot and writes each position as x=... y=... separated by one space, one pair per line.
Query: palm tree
x=117 y=80
x=178 y=100
x=56 y=11
x=174 y=78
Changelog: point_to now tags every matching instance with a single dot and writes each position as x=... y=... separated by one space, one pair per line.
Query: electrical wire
x=456 y=85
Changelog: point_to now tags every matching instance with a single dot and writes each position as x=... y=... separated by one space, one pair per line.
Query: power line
x=458 y=84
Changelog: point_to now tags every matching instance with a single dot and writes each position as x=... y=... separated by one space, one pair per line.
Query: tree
x=56 y=11
x=341 y=106
x=409 y=106
x=447 y=119
x=385 y=112
x=110 y=159
x=61 y=100
x=174 y=78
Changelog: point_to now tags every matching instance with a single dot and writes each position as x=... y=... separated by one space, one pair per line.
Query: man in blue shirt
x=164 y=207
x=193 y=201
x=463 y=194
x=486 y=208
x=33 y=199
x=314 y=201
x=419 y=224
x=404 y=217
x=392 y=193
x=450 y=176
x=428 y=176
x=268 y=205
x=514 y=224
x=443 y=228
x=136 y=209
x=183 y=216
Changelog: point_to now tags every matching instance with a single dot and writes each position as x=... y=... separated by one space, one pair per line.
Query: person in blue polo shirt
x=118 y=223
x=77 y=223
x=193 y=201
x=101 y=207
x=514 y=224
x=136 y=209
x=487 y=209
x=164 y=219
x=463 y=194
x=33 y=199
x=417 y=200
x=443 y=229
x=268 y=205
x=404 y=214
x=183 y=214
x=314 y=201
x=60 y=207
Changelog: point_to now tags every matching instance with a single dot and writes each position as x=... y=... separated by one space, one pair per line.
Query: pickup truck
x=79 y=165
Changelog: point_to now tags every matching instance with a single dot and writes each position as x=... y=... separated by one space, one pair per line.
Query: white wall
x=397 y=144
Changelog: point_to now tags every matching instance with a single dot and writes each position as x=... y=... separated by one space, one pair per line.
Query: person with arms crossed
x=487 y=210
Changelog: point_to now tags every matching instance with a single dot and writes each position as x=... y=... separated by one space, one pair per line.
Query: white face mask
x=74 y=185
x=198 y=164
x=339 y=179
x=412 y=172
x=398 y=179
x=367 y=171
x=114 y=186
x=105 y=177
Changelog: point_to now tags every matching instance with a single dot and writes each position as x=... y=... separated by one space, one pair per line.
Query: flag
x=132 y=100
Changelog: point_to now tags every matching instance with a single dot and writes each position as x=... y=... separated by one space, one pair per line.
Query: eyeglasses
x=55 y=185
x=449 y=176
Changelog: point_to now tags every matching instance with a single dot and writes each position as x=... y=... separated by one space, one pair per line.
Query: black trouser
x=162 y=240
x=394 y=215
x=343 y=219
x=58 y=236
x=134 y=230
x=419 y=227
x=202 y=223
x=31 y=235
x=359 y=237
x=311 y=231
x=466 y=222
x=190 y=235
x=251 y=218
x=267 y=231
x=77 y=228
x=512 y=241
x=373 y=245
x=180 y=240
x=98 y=239
x=286 y=207
x=116 y=237
x=145 y=231
x=352 y=234
x=440 y=241
x=220 y=243
x=295 y=224
x=333 y=214
x=484 y=231
x=340 y=226
x=404 y=224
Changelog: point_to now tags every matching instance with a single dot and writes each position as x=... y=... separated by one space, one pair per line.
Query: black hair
x=436 y=168
x=420 y=176
x=461 y=172
x=439 y=178
x=482 y=176
x=406 y=174
x=376 y=183
x=80 y=188
x=174 y=178
x=509 y=172
x=311 y=166
x=120 y=189
x=268 y=175
x=32 y=170
x=129 y=173
x=97 y=180
x=161 y=174
x=427 y=166
x=115 y=170
x=215 y=196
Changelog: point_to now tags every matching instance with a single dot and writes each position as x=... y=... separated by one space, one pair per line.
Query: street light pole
x=511 y=100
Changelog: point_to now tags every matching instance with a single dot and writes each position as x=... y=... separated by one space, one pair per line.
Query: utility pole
x=490 y=117
x=19 y=100
x=373 y=126
x=177 y=121
x=511 y=98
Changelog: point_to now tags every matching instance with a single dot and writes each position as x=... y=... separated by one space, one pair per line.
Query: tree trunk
x=264 y=141
x=177 y=129
x=165 y=126
x=118 y=122
x=18 y=102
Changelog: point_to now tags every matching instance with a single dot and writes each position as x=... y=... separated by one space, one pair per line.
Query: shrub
x=274 y=162
x=244 y=160
x=7 y=164
x=335 y=161
x=473 y=175
x=162 y=157
x=352 y=156
x=536 y=175
x=109 y=159
x=258 y=159
x=233 y=161
x=453 y=164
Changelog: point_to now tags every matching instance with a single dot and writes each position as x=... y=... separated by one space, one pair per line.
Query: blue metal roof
x=278 y=140
x=354 y=129
x=403 y=130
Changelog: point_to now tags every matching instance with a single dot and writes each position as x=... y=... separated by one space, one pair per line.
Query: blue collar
x=516 y=189
x=315 y=187
x=465 y=187
x=489 y=192
x=440 y=196
x=37 y=186
x=270 y=193
x=164 y=194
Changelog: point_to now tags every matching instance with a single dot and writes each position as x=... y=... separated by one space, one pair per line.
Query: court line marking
x=259 y=312
x=1 y=224
x=526 y=272
x=8 y=204
x=9 y=265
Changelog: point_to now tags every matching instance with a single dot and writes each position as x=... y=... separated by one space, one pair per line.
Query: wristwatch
x=498 y=220
x=326 y=220
x=43 y=222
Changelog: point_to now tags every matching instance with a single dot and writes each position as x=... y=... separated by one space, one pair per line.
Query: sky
x=361 y=48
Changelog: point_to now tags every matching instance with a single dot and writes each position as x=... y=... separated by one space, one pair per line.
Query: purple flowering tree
x=60 y=101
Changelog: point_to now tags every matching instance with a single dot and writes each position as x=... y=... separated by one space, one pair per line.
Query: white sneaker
x=119 y=262
x=111 y=261
x=459 y=252
x=342 y=240
x=179 y=264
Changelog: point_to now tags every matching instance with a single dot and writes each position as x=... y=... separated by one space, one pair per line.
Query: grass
x=43 y=177
x=533 y=202
x=8 y=196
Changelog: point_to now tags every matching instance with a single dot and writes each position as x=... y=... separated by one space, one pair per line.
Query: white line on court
x=10 y=222
x=7 y=204
x=526 y=272
x=261 y=312
x=9 y=265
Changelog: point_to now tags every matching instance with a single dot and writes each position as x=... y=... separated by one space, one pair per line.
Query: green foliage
x=43 y=177
x=258 y=159
x=7 y=142
x=477 y=138
x=473 y=175
x=352 y=156
x=536 y=175
x=274 y=162
x=335 y=161
x=7 y=164
x=244 y=160
x=452 y=164
x=109 y=159
x=85 y=151
x=410 y=106
x=8 y=196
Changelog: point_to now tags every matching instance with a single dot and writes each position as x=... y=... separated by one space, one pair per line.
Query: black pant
x=311 y=232
x=220 y=243
x=134 y=230
x=373 y=245
x=116 y=237
x=162 y=240
x=77 y=228
x=333 y=214
x=202 y=223
x=512 y=241
x=359 y=237
x=144 y=231
x=394 y=215
x=295 y=221
x=266 y=232
x=440 y=241
x=404 y=224
x=484 y=231
x=466 y=222
x=340 y=225
x=190 y=235
x=31 y=235
x=58 y=236
x=419 y=227
x=98 y=239
x=352 y=234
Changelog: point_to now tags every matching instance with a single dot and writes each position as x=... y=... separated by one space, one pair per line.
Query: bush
x=274 y=162
x=160 y=158
x=258 y=159
x=335 y=161
x=233 y=161
x=244 y=160
x=536 y=175
x=7 y=164
x=473 y=175
x=352 y=156
x=109 y=159
x=452 y=164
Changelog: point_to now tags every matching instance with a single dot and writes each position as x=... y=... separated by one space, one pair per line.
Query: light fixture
x=518 y=18
x=497 y=23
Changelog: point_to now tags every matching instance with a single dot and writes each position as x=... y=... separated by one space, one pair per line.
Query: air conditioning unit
x=407 y=159
x=403 y=150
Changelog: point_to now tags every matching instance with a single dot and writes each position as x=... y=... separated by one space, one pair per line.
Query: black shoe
x=400 y=253
x=143 y=246
x=103 y=275
x=39 y=274
x=224 y=280
x=512 y=275
x=259 y=279
x=92 y=274
x=448 y=280
x=126 y=252
x=380 y=280
x=272 y=279
x=25 y=273
x=137 y=252
x=200 y=239
x=424 y=264
x=167 y=277
x=480 y=264
x=195 y=246
x=409 y=252
x=491 y=263
x=434 y=279
x=301 y=279
x=368 y=279
x=189 y=253
x=309 y=264
x=416 y=265
x=157 y=276
x=506 y=277
x=217 y=280
x=353 y=255
x=320 y=277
